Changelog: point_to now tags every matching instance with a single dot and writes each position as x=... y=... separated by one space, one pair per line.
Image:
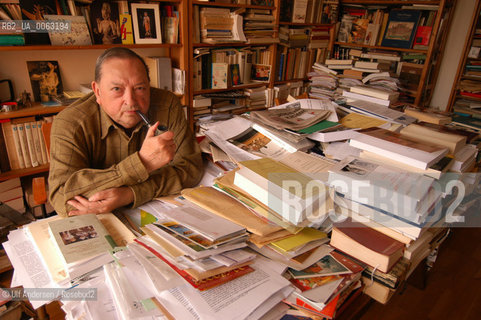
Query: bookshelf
x=431 y=53
x=467 y=72
x=268 y=51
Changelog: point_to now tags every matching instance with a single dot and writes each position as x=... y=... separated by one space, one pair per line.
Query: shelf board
x=242 y=86
x=358 y=45
x=23 y=172
x=370 y=2
x=94 y=46
x=230 y=44
x=291 y=80
x=306 y=24
x=33 y=111
x=230 y=5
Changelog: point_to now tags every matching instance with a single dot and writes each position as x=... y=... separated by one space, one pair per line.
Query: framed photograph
x=45 y=80
x=104 y=17
x=79 y=34
x=401 y=28
x=146 y=21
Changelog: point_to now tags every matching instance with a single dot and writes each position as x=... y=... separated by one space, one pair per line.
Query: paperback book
x=80 y=238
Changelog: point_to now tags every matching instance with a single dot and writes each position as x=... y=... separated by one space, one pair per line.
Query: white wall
x=454 y=46
x=76 y=66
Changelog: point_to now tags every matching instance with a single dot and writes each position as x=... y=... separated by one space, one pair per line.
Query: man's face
x=122 y=89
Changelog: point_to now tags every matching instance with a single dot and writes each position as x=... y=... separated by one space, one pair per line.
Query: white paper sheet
x=236 y=299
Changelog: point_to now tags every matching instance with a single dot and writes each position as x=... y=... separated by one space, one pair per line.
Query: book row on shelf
x=278 y=226
x=309 y=11
x=25 y=144
x=90 y=22
x=406 y=26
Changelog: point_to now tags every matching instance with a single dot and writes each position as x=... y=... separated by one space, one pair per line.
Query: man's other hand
x=101 y=202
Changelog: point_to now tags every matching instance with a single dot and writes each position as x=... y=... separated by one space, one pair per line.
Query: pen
x=160 y=129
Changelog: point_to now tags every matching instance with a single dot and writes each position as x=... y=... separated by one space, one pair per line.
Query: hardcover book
x=401 y=28
x=367 y=245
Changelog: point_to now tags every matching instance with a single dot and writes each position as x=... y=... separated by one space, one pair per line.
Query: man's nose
x=129 y=97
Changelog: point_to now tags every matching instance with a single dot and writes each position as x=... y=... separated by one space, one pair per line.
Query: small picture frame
x=146 y=21
x=104 y=17
x=260 y=72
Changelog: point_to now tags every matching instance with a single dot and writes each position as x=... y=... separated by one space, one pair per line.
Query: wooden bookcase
x=421 y=95
x=465 y=60
x=273 y=48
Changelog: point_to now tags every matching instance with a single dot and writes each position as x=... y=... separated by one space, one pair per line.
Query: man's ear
x=96 y=90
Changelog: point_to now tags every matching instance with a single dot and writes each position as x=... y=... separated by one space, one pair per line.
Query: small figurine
x=25 y=100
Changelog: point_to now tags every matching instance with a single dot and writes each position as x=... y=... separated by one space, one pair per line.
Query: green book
x=12 y=40
x=319 y=127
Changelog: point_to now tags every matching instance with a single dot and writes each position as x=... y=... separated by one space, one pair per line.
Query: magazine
x=292 y=117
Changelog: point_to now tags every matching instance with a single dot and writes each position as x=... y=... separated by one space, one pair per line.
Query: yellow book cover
x=305 y=236
x=126 y=33
x=360 y=121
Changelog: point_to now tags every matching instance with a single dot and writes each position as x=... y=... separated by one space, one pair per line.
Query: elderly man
x=103 y=156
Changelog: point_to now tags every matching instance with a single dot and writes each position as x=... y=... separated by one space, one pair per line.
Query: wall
x=76 y=66
x=452 y=54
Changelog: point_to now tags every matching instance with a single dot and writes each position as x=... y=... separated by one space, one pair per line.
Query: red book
x=421 y=40
x=470 y=94
x=367 y=245
x=205 y=283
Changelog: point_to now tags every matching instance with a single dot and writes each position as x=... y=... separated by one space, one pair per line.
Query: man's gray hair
x=117 y=52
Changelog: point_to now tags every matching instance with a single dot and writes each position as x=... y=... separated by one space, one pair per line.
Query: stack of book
x=256 y=98
x=374 y=95
x=209 y=245
x=11 y=194
x=323 y=82
x=216 y=25
x=259 y=26
x=325 y=285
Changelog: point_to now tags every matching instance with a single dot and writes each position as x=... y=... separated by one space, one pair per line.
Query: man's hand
x=102 y=202
x=157 y=151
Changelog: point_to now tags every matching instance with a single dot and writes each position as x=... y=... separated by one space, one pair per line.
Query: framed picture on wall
x=146 y=21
